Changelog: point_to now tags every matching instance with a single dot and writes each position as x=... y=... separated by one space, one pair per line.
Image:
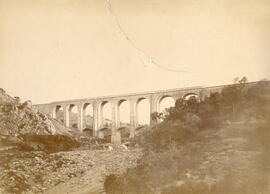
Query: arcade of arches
x=115 y=112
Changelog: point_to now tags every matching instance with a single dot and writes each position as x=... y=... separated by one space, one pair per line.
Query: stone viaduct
x=97 y=103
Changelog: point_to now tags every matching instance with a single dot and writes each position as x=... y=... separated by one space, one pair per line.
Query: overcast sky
x=66 y=49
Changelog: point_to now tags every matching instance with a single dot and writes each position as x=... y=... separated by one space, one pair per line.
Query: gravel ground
x=79 y=171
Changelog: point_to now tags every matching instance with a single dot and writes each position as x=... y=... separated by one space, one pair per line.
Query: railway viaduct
x=154 y=98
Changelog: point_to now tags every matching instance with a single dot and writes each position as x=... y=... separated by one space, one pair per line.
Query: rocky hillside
x=24 y=128
x=20 y=118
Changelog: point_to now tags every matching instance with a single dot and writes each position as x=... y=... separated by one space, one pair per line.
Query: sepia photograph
x=134 y=96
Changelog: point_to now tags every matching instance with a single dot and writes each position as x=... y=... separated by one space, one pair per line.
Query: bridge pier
x=153 y=108
x=133 y=118
x=115 y=138
x=66 y=115
x=95 y=119
x=80 y=117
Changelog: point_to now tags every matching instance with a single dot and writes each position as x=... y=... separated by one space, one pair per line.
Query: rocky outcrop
x=16 y=118
x=20 y=118
x=27 y=129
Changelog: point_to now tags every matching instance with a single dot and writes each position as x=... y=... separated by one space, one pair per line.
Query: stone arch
x=123 y=112
x=124 y=132
x=190 y=94
x=105 y=133
x=140 y=129
x=143 y=111
x=73 y=114
x=165 y=101
x=105 y=114
x=88 y=131
x=58 y=113
x=88 y=115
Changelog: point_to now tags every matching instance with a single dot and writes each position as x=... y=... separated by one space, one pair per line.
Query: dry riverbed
x=79 y=171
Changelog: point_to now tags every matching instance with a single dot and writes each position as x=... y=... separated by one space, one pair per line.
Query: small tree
x=234 y=94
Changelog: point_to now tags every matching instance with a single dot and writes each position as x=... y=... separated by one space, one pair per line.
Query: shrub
x=166 y=133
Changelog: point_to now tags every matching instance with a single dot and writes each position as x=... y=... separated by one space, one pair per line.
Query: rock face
x=28 y=129
x=19 y=118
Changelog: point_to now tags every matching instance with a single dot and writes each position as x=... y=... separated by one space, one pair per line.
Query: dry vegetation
x=216 y=146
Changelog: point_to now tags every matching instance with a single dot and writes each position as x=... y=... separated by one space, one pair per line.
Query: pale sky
x=54 y=50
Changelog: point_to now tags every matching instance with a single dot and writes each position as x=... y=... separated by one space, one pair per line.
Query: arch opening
x=59 y=113
x=143 y=111
x=105 y=134
x=165 y=103
x=105 y=118
x=124 y=113
x=124 y=133
x=73 y=116
x=191 y=95
x=88 y=116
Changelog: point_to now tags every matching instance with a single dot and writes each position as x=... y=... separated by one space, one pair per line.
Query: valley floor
x=79 y=171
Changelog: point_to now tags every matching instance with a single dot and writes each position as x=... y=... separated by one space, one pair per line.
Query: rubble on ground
x=37 y=172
